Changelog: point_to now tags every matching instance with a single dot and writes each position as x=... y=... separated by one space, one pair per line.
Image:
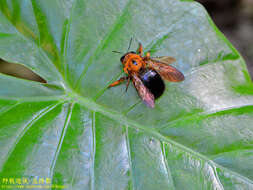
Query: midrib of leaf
x=90 y=104
x=87 y=103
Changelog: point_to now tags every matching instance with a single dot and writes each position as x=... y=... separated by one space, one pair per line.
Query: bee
x=147 y=74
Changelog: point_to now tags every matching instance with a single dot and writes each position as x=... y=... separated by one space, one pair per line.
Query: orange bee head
x=132 y=62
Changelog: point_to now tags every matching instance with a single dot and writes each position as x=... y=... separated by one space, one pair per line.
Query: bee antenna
x=117 y=52
x=130 y=43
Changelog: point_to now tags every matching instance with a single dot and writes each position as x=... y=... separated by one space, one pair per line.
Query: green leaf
x=76 y=132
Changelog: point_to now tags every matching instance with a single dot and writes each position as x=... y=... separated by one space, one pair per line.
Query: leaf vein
x=94 y=150
x=167 y=166
x=128 y=122
x=206 y=114
x=129 y=159
x=103 y=42
x=27 y=127
x=66 y=123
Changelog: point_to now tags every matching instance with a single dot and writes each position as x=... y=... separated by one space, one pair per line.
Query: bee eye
x=134 y=62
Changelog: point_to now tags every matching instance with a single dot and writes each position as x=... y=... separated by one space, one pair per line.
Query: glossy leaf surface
x=78 y=133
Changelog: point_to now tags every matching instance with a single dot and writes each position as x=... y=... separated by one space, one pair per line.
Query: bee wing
x=146 y=96
x=166 y=71
x=164 y=59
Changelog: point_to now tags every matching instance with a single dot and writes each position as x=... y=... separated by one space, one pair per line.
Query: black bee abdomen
x=153 y=81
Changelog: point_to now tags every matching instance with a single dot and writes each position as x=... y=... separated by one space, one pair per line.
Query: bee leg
x=147 y=57
x=117 y=82
x=128 y=82
x=140 y=49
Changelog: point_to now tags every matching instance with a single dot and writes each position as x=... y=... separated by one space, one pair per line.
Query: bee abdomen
x=153 y=81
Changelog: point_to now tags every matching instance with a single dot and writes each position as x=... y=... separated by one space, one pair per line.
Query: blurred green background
x=233 y=17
